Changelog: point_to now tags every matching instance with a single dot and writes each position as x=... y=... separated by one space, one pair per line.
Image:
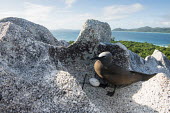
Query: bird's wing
x=117 y=69
x=139 y=73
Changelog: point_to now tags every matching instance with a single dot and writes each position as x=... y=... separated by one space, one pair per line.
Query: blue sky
x=71 y=14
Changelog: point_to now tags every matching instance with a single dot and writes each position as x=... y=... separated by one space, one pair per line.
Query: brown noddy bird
x=116 y=75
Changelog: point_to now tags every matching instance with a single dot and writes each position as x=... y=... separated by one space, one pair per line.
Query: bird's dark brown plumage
x=117 y=75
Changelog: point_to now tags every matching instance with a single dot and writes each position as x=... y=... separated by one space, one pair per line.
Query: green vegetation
x=144 y=49
x=146 y=29
x=112 y=38
x=168 y=45
x=70 y=42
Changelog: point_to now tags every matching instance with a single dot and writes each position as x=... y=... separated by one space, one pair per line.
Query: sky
x=71 y=14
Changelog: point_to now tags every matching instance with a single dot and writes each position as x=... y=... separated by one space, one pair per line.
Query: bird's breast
x=98 y=66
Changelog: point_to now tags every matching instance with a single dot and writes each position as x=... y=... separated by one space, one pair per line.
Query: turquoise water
x=68 y=35
x=161 y=39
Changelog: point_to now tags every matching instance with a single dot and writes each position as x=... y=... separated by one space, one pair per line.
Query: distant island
x=145 y=29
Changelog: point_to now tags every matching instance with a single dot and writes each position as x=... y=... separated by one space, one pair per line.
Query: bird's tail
x=146 y=77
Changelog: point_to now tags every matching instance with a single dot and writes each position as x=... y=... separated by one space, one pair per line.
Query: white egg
x=94 y=82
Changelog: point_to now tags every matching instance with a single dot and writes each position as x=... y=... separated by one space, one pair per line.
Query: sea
x=160 y=39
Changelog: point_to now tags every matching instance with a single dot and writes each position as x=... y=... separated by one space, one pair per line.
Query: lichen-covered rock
x=156 y=63
x=155 y=93
x=162 y=60
x=63 y=43
x=76 y=59
x=38 y=77
x=30 y=81
x=39 y=32
x=94 y=29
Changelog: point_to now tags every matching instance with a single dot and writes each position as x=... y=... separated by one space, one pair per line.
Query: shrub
x=144 y=49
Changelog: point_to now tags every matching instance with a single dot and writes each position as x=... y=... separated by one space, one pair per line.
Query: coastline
x=62 y=30
x=71 y=35
x=141 y=32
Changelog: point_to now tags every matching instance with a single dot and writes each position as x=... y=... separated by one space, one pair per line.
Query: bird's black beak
x=95 y=58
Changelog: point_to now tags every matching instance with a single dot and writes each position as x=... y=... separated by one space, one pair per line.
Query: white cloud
x=33 y=12
x=120 y=11
x=62 y=16
x=165 y=20
x=48 y=16
x=69 y=2
x=165 y=23
x=4 y=13
x=70 y=20
x=36 y=12
x=54 y=18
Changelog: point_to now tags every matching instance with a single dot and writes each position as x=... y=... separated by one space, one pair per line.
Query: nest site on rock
x=40 y=75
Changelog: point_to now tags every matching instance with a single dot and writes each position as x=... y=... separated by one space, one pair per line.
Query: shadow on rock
x=122 y=101
x=75 y=59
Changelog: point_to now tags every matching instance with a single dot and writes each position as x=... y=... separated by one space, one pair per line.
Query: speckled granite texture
x=38 y=74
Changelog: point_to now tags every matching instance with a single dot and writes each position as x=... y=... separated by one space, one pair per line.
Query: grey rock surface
x=30 y=81
x=39 y=32
x=63 y=43
x=156 y=63
x=76 y=60
x=96 y=28
x=38 y=77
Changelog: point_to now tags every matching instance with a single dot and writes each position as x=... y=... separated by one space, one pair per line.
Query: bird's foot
x=103 y=85
x=110 y=93
x=113 y=92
